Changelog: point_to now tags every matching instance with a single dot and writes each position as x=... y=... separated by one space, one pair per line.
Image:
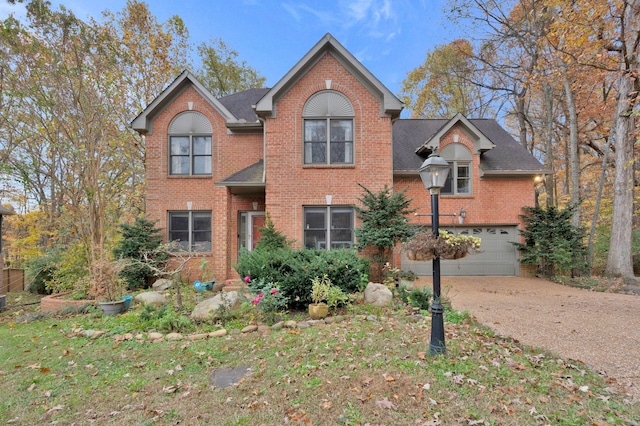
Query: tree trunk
x=619 y=262
x=574 y=158
x=548 y=144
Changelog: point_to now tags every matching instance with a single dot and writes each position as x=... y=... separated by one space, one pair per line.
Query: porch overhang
x=248 y=181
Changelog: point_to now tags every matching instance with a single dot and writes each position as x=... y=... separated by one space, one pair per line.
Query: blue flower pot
x=127 y=301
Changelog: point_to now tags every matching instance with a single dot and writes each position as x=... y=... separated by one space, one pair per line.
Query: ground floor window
x=328 y=227
x=192 y=229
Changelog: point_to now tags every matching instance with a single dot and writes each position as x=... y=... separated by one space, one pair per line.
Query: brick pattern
x=290 y=184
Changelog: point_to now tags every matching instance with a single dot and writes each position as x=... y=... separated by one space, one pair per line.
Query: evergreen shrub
x=293 y=270
x=137 y=240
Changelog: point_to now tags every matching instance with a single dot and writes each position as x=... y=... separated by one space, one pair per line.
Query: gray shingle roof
x=239 y=104
x=251 y=175
x=508 y=156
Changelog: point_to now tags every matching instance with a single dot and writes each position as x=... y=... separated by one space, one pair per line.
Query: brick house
x=299 y=150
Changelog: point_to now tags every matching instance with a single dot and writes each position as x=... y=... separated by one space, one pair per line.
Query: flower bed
x=57 y=302
x=425 y=246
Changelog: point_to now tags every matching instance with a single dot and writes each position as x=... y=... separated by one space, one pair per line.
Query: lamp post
x=433 y=173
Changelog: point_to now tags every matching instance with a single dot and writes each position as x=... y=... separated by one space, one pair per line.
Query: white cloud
x=359 y=9
x=291 y=11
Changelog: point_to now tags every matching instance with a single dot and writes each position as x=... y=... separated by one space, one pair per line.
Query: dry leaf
x=385 y=403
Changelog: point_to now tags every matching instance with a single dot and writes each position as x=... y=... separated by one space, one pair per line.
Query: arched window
x=328 y=129
x=190 y=144
x=459 y=179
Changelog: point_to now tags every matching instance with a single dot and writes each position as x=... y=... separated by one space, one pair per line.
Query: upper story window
x=328 y=129
x=459 y=179
x=190 y=144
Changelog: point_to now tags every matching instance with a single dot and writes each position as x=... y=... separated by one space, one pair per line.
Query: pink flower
x=229 y=282
x=247 y=279
x=274 y=291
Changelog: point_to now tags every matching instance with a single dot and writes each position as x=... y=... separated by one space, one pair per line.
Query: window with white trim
x=327 y=227
x=328 y=129
x=192 y=229
x=459 y=179
x=190 y=145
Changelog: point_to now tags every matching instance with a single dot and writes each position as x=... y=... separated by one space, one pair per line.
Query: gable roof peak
x=390 y=104
x=143 y=122
x=481 y=143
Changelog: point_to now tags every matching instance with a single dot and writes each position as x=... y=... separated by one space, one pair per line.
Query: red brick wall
x=292 y=185
x=230 y=153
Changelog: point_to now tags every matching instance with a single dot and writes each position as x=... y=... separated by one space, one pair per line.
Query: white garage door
x=498 y=255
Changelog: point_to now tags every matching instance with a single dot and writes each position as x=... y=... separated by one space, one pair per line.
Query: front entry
x=249 y=225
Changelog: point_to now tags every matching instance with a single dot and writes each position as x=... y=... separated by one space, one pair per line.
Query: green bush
x=39 y=271
x=552 y=242
x=294 y=270
x=416 y=297
x=137 y=240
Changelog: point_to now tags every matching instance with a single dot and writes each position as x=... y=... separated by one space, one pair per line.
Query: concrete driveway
x=600 y=329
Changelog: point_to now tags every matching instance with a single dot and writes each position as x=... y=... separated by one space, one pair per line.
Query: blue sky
x=390 y=37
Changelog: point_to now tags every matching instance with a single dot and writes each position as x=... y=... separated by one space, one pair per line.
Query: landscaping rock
x=278 y=326
x=262 y=328
x=151 y=298
x=377 y=295
x=173 y=336
x=290 y=324
x=162 y=284
x=199 y=336
x=210 y=308
x=218 y=333
x=155 y=336
x=250 y=329
x=303 y=324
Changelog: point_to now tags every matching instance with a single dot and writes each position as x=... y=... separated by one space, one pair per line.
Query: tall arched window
x=190 y=144
x=459 y=179
x=328 y=129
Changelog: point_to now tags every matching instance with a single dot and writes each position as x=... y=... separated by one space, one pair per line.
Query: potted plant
x=320 y=287
x=108 y=288
x=407 y=278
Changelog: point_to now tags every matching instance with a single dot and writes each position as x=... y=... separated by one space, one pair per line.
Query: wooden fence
x=12 y=280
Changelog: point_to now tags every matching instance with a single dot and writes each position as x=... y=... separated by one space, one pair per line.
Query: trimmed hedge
x=294 y=270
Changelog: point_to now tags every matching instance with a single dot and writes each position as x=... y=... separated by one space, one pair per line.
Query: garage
x=498 y=256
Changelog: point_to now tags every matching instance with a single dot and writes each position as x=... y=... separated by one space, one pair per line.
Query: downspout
x=264 y=151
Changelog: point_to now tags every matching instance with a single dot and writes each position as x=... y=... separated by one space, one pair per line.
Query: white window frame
x=459 y=158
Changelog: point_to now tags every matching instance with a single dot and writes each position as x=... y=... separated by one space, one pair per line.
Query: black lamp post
x=433 y=173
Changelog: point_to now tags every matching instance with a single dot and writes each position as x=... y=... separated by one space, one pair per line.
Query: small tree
x=136 y=242
x=384 y=224
x=271 y=238
x=552 y=242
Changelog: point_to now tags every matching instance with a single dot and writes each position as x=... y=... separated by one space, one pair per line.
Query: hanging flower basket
x=424 y=246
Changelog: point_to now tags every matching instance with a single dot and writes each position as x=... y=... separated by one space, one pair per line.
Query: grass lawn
x=362 y=370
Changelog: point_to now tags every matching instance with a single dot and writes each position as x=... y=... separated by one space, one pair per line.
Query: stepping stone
x=224 y=377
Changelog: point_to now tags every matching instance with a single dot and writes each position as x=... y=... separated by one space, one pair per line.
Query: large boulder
x=377 y=295
x=151 y=298
x=210 y=308
x=162 y=284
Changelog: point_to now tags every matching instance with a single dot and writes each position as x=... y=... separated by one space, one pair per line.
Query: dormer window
x=190 y=145
x=459 y=178
x=328 y=129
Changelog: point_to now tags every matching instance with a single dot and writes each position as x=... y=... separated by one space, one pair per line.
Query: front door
x=249 y=225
